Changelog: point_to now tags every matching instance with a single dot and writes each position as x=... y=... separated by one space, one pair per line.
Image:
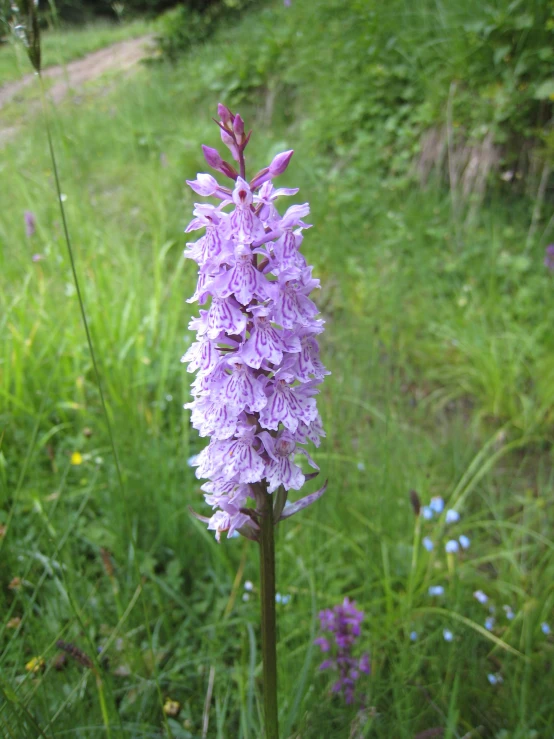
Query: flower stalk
x=268 y=616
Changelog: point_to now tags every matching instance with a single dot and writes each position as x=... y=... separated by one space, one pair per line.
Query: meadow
x=438 y=309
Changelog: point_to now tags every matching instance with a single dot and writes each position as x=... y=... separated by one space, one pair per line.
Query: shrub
x=195 y=21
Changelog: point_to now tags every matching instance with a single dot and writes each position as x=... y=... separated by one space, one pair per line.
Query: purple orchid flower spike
x=342 y=624
x=256 y=355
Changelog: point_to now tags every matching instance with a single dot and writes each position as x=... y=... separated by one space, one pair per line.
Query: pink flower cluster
x=256 y=354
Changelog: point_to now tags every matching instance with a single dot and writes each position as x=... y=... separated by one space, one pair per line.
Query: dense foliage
x=465 y=89
x=194 y=22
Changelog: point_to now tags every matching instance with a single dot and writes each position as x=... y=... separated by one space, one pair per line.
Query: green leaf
x=501 y=52
x=545 y=90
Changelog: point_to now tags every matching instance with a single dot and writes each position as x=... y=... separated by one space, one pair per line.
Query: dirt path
x=72 y=76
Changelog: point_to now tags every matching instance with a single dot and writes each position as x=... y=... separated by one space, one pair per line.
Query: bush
x=195 y=21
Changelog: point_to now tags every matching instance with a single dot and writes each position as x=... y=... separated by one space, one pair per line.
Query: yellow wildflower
x=172 y=708
x=76 y=458
x=37 y=664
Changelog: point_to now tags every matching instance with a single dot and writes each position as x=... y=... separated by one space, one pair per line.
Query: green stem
x=269 y=633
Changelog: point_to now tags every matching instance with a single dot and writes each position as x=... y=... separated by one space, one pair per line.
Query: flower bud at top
x=238 y=128
x=280 y=163
x=225 y=114
x=212 y=157
x=229 y=142
x=214 y=160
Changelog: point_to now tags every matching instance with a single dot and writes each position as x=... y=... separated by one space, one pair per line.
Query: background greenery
x=439 y=312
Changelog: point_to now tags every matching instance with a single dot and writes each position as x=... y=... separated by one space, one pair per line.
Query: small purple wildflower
x=549 y=257
x=452 y=546
x=509 y=613
x=480 y=596
x=413 y=635
x=30 y=224
x=545 y=628
x=465 y=541
x=447 y=635
x=37 y=258
x=343 y=623
x=427 y=512
x=494 y=679
x=489 y=623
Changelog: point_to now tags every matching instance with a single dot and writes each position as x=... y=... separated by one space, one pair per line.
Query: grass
x=60 y=46
x=438 y=337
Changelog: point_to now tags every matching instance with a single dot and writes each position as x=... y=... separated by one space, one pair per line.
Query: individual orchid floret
x=256 y=356
x=266 y=197
x=206 y=185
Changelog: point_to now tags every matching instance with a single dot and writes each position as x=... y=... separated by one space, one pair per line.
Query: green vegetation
x=62 y=46
x=438 y=310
